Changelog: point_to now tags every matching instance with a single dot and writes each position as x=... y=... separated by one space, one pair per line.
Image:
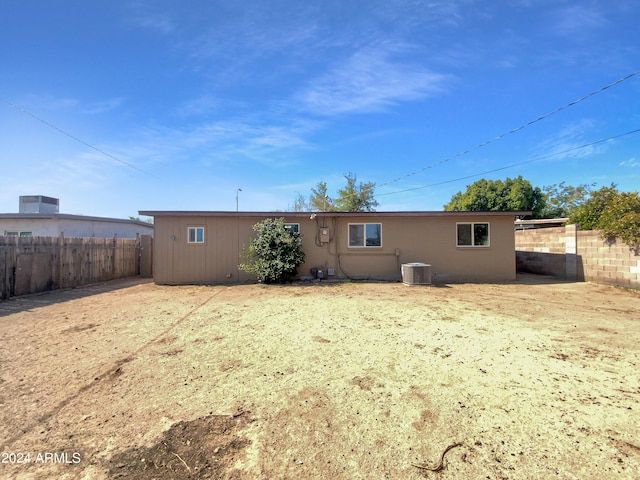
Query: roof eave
x=69 y=216
x=202 y=213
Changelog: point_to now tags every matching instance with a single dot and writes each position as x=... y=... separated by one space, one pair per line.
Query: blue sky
x=185 y=102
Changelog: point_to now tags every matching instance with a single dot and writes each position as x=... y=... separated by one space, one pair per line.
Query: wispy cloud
x=221 y=142
x=300 y=39
x=569 y=141
x=46 y=103
x=578 y=19
x=267 y=144
x=85 y=170
x=158 y=22
x=103 y=106
x=236 y=44
x=423 y=12
x=633 y=162
x=370 y=80
x=201 y=105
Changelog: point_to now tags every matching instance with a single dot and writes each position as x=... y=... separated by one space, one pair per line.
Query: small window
x=14 y=233
x=365 y=234
x=195 y=235
x=472 y=234
x=292 y=227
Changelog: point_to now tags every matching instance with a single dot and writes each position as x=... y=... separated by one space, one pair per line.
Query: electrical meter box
x=324 y=234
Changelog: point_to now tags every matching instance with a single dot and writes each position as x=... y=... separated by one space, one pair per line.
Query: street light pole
x=237 y=192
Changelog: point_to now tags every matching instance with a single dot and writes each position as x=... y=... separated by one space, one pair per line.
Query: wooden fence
x=37 y=264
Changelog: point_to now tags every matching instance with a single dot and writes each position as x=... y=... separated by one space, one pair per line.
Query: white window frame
x=364 y=235
x=195 y=241
x=473 y=239
x=296 y=225
x=17 y=233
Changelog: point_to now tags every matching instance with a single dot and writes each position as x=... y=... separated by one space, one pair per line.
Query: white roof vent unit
x=416 y=274
x=38 y=204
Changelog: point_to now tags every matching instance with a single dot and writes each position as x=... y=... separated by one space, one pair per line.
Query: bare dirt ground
x=532 y=379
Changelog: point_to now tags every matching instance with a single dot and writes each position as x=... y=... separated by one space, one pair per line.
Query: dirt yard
x=533 y=379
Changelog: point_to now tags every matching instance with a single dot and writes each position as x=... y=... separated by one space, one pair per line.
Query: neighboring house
x=39 y=217
x=206 y=247
x=54 y=224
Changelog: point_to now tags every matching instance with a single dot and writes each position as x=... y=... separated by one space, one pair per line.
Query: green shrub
x=621 y=219
x=616 y=214
x=274 y=255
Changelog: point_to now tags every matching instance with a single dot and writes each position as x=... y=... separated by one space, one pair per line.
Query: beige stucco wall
x=430 y=240
x=216 y=261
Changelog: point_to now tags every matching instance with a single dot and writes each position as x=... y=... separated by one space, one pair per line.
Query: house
x=39 y=217
x=205 y=247
x=54 y=224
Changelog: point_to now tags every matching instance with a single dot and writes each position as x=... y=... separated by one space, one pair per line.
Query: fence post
x=5 y=283
x=60 y=258
x=138 y=253
x=146 y=256
x=115 y=250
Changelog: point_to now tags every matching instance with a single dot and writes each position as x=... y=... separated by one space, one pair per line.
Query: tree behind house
x=561 y=200
x=354 y=197
x=497 y=195
x=320 y=200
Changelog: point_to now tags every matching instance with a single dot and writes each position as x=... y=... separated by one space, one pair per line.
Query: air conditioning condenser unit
x=416 y=273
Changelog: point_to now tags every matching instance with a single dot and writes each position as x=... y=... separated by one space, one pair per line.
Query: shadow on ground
x=45 y=299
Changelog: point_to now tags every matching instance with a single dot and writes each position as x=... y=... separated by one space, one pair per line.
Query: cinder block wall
x=541 y=251
x=570 y=254
x=614 y=264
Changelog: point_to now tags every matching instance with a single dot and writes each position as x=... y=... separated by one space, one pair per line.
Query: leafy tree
x=320 y=199
x=275 y=254
x=497 y=195
x=587 y=216
x=300 y=204
x=616 y=214
x=621 y=219
x=562 y=200
x=356 y=197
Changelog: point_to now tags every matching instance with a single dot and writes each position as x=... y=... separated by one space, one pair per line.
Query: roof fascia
x=182 y=213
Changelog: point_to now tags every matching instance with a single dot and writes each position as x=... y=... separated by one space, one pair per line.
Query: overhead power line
x=514 y=130
x=512 y=165
x=106 y=154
